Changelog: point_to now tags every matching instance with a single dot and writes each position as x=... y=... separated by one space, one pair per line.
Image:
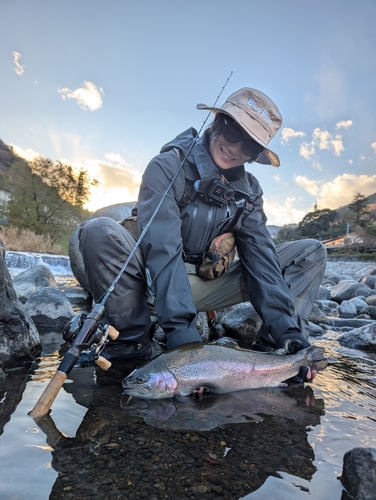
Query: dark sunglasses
x=233 y=134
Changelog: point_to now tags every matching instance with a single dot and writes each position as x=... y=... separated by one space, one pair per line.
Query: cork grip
x=48 y=396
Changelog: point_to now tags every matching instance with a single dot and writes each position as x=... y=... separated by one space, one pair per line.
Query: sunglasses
x=233 y=134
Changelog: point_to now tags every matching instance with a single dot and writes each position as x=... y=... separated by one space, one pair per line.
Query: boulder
x=19 y=337
x=369 y=280
x=359 y=473
x=359 y=303
x=33 y=279
x=328 y=307
x=116 y=212
x=346 y=290
x=370 y=311
x=317 y=315
x=323 y=293
x=360 y=338
x=346 y=309
x=49 y=308
x=371 y=300
x=242 y=322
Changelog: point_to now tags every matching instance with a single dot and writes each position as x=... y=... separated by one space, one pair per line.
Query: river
x=261 y=444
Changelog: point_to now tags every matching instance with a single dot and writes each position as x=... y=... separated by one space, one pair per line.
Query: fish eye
x=140 y=380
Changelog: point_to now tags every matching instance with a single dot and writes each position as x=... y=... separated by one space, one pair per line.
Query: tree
x=359 y=207
x=47 y=198
x=317 y=224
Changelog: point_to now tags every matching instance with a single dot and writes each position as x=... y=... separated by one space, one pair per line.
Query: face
x=227 y=154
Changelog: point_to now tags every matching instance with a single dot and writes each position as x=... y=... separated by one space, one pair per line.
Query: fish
x=218 y=368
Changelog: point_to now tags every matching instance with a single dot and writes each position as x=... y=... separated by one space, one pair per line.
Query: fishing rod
x=85 y=332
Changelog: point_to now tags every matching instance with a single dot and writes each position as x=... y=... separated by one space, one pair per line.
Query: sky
x=104 y=84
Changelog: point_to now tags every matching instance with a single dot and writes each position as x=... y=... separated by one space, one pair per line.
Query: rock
x=369 y=281
x=315 y=330
x=371 y=300
x=346 y=290
x=116 y=212
x=78 y=296
x=370 y=310
x=49 y=308
x=328 y=307
x=242 y=322
x=203 y=326
x=32 y=280
x=323 y=293
x=360 y=338
x=317 y=315
x=19 y=337
x=350 y=322
x=359 y=473
x=346 y=309
x=359 y=303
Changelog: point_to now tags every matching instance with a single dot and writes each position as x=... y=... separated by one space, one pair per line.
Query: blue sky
x=104 y=84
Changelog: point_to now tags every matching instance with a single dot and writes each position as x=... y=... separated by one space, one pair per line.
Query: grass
x=23 y=240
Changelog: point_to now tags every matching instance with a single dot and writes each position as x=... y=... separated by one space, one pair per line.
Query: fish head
x=142 y=383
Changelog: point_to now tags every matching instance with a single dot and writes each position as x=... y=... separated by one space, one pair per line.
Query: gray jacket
x=182 y=229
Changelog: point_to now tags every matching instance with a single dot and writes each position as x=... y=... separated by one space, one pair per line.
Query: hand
x=305 y=375
x=292 y=341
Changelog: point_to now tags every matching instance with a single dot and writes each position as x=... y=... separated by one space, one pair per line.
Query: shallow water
x=254 y=444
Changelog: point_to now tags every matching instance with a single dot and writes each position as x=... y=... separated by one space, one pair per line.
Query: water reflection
x=163 y=449
x=212 y=410
x=253 y=444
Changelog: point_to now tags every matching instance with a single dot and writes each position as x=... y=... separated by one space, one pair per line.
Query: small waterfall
x=19 y=261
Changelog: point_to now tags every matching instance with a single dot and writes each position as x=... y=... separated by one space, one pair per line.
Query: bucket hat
x=257 y=115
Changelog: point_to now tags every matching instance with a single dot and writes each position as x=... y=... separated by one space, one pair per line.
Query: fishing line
x=146 y=228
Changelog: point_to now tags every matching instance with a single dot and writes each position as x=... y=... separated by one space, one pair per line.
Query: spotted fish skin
x=217 y=367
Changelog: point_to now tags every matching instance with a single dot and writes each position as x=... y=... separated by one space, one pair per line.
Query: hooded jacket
x=182 y=230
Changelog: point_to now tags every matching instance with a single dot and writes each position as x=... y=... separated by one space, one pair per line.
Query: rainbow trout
x=219 y=368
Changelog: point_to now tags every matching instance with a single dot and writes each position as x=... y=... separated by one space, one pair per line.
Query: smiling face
x=227 y=154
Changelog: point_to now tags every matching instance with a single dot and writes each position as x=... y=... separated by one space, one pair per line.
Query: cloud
x=27 y=154
x=88 y=97
x=18 y=68
x=289 y=133
x=373 y=146
x=280 y=215
x=306 y=150
x=344 y=124
x=119 y=181
x=339 y=191
x=307 y=184
x=321 y=139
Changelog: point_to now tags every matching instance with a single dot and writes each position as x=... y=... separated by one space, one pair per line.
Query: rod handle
x=103 y=363
x=48 y=396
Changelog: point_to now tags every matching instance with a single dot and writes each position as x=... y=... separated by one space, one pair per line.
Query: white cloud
x=27 y=154
x=119 y=181
x=289 y=133
x=280 y=215
x=373 y=146
x=321 y=139
x=277 y=178
x=344 y=124
x=340 y=191
x=18 y=68
x=317 y=165
x=306 y=150
x=88 y=97
x=307 y=184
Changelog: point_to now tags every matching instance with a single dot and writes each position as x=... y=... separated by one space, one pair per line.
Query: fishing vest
x=203 y=220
